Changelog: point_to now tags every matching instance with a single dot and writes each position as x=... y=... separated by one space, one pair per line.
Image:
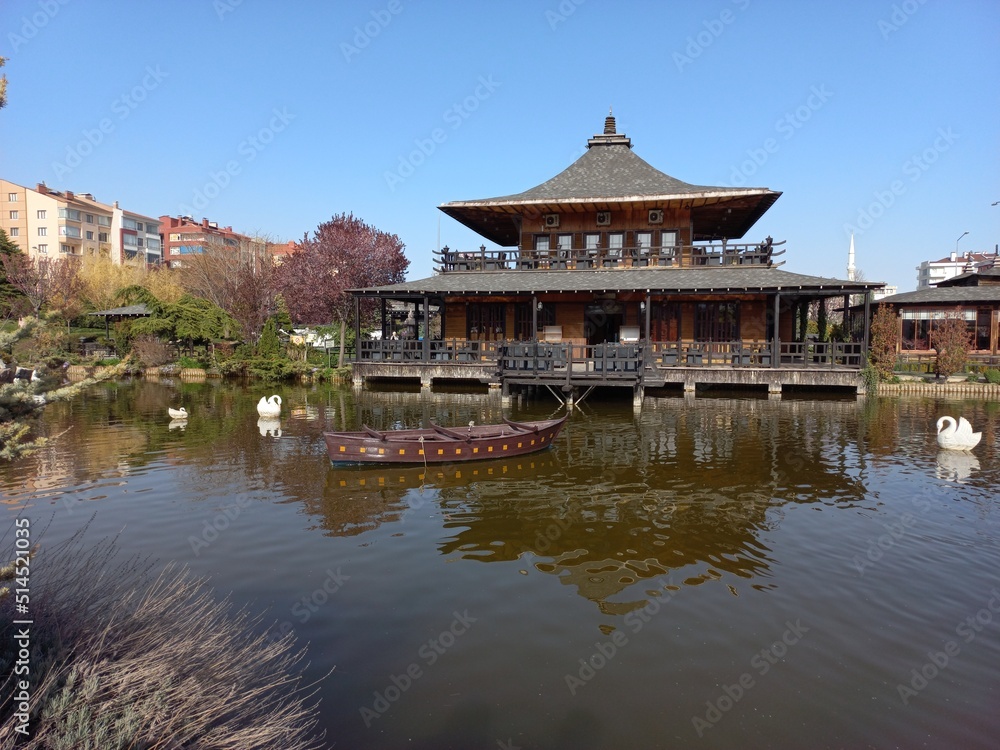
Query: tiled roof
x=947 y=295
x=673 y=280
x=131 y=311
x=609 y=176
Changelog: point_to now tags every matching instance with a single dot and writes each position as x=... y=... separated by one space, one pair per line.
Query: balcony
x=583 y=258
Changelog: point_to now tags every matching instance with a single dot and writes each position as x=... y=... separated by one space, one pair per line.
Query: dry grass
x=123 y=658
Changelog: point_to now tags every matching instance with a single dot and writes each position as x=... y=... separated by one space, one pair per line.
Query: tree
x=343 y=253
x=43 y=282
x=7 y=291
x=239 y=279
x=952 y=340
x=882 y=346
x=103 y=281
x=3 y=85
x=821 y=320
x=190 y=319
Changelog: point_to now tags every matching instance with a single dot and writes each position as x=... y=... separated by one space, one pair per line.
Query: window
x=69 y=232
x=43 y=248
x=40 y=214
x=104 y=221
x=665 y=319
x=643 y=243
x=139 y=242
x=616 y=241
x=128 y=224
x=717 y=321
x=12 y=197
x=43 y=231
x=486 y=321
x=917 y=326
x=15 y=232
x=542 y=245
x=668 y=238
x=102 y=236
x=138 y=226
x=90 y=235
x=70 y=214
x=66 y=249
x=175 y=237
x=591 y=242
x=90 y=218
x=13 y=214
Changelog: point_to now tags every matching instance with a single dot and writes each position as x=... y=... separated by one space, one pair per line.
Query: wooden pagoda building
x=612 y=273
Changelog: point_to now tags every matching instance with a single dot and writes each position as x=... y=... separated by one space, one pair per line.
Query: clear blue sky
x=273 y=117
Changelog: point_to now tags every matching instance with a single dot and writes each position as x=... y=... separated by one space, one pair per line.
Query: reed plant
x=123 y=656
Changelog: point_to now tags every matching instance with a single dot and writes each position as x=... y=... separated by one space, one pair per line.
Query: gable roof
x=610 y=176
x=947 y=295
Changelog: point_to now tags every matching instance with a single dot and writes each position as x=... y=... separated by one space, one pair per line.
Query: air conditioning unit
x=551 y=221
x=604 y=218
x=656 y=216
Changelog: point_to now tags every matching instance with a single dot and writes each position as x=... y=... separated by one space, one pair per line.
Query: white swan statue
x=269 y=407
x=178 y=413
x=957 y=436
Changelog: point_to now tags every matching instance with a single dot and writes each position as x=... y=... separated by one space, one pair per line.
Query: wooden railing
x=624 y=257
x=612 y=360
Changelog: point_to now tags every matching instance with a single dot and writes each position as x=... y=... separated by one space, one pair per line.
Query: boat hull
x=442 y=445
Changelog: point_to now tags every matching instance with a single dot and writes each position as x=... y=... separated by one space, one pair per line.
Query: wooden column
x=775 y=348
x=427 y=329
x=868 y=325
x=534 y=317
x=357 y=330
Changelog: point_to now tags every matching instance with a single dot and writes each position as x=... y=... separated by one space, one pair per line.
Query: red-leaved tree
x=343 y=253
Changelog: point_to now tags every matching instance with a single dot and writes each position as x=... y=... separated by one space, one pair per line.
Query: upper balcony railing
x=676 y=256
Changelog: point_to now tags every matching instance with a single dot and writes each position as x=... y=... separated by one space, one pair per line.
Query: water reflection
x=956 y=466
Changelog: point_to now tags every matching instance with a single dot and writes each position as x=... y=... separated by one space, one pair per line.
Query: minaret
x=850 y=261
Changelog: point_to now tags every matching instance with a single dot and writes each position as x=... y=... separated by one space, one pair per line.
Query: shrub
x=125 y=659
x=992 y=375
x=952 y=340
x=152 y=351
x=191 y=363
x=882 y=349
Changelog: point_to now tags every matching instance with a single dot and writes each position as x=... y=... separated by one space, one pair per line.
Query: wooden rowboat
x=437 y=444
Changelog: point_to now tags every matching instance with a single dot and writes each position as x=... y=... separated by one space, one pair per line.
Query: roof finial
x=609 y=123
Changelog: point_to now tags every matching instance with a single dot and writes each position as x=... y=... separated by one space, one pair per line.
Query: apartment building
x=933 y=272
x=183 y=236
x=48 y=223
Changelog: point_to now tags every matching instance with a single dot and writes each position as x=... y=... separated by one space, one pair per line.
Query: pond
x=713 y=571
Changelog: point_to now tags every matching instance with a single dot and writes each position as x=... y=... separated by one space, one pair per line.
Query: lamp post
x=956 y=241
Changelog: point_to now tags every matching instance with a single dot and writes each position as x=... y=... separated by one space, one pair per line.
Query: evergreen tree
x=7 y=292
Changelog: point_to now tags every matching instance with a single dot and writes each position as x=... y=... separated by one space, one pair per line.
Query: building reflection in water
x=687 y=487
